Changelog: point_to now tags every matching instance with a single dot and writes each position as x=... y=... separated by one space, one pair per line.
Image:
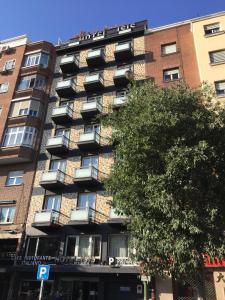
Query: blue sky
x=51 y=19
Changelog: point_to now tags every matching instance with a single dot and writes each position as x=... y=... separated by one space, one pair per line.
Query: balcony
x=122 y=77
x=46 y=218
x=119 y=101
x=115 y=218
x=90 y=109
x=95 y=57
x=69 y=64
x=65 y=88
x=93 y=82
x=57 y=144
x=62 y=114
x=52 y=179
x=86 y=176
x=16 y=154
x=89 y=140
x=123 y=51
x=82 y=216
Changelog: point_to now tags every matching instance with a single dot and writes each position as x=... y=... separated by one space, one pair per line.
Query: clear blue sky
x=51 y=19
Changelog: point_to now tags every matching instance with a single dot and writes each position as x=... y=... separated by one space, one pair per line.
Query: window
x=46 y=246
x=16 y=136
x=92 y=128
x=62 y=132
x=86 y=200
x=121 y=93
x=40 y=58
x=25 y=108
x=212 y=28
x=89 y=161
x=4 y=87
x=217 y=56
x=15 y=178
x=168 y=48
x=58 y=164
x=95 y=98
x=9 y=65
x=83 y=246
x=52 y=202
x=30 y=82
x=118 y=245
x=7 y=214
x=220 y=88
x=171 y=74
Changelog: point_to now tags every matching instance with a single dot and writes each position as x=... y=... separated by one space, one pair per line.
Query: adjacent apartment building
x=26 y=71
x=71 y=224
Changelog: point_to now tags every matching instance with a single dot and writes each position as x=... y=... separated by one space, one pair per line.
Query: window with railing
x=40 y=58
x=83 y=246
x=20 y=136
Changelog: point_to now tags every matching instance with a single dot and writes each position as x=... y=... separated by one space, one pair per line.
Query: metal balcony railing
x=86 y=172
x=53 y=176
x=46 y=216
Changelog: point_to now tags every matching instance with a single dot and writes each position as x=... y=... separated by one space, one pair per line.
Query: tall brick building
x=26 y=71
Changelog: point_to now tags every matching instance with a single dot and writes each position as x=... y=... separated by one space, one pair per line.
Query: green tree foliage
x=169 y=176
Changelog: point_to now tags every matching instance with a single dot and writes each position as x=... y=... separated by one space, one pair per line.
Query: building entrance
x=79 y=290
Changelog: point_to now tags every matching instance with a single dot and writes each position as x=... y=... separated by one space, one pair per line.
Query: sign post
x=42 y=274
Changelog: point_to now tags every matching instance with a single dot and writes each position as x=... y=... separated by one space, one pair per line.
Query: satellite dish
x=129 y=75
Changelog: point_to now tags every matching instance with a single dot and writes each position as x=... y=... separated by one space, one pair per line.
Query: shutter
x=212 y=26
x=167 y=49
x=217 y=56
x=171 y=72
x=220 y=85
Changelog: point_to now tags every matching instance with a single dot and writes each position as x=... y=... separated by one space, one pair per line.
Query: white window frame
x=4 y=87
x=213 y=31
x=7 y=214
x=128 y=250
x=171 y=75
x=39 y=82
x=26 y=133
x=165 y=47
x=34 y=59
x=5 y=68
x=90 y=249
x=30 y=111
x=14 y=175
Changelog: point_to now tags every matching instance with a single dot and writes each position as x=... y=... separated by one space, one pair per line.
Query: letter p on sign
x=43 y=272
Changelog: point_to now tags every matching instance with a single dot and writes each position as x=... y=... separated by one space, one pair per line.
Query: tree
x=169 y=176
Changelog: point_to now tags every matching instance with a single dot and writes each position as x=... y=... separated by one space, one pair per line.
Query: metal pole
x=145 y=290
x=41 y=289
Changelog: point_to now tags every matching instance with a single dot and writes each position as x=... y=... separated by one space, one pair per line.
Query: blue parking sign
x=43 y=272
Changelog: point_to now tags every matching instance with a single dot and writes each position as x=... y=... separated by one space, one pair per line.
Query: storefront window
x=83 y=246
x=118 y=245
x=43 y=246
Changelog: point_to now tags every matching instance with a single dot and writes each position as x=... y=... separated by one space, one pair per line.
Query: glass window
x=95 y=98
x=25 y=107
x=83 y=246
x=62 y=132
x=71 y=245
x=89 y=161
x=52 y=202
x=33 y=81
x=14 y=178
x=58 y=164
x=46 y=246
x=4 y=87
x=86 y=200
x=217 y=56
x=7 y=214
x=169 y=48
x=36 y=59
x=212 y=28
x=92 y=128
x=118 y=245
x=171 y=74
x=220 y=88
x=16 y=136
x=9 y=65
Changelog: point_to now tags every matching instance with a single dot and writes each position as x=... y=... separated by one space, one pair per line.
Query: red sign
x=216 y=262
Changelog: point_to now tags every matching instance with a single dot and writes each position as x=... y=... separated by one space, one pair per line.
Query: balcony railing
x=46 y=216
x=86 y=175
x=52 y=178
x=123 y=51
x=119 y=101
x=81 y=214
x=62 y=114
x=66 y=88
x=57 y=144
x=69 y=64
x=93 y=82
x=91 y=108
x=115 y=218
x=89 y=140
x=122 y=76
x=95 y=57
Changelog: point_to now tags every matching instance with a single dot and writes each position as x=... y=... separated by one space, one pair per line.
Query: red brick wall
x=185 y=58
